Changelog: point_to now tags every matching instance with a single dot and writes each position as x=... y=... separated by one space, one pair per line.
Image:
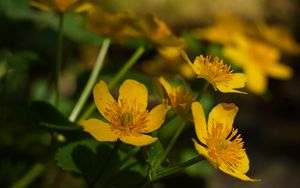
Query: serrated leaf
x=84 y=157
x=64 y=156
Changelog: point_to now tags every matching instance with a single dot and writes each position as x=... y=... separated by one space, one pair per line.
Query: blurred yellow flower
x=224 y=30
x=115 y=25
x=124 y=25
x=221 y=144
x=128 y=119
x=177 y=97
x=280 y=37
x=258 y=61
x=168 y=60
x=56 y=5
x=217 y=73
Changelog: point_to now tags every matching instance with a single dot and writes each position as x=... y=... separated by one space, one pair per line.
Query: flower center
x=179 y=96
x=225 y=146
x=126 y=117
x=214 y=69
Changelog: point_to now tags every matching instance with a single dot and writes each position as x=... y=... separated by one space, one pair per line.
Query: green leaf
x=154 y=152
x=84 y=157
x=64 y=155
x=46 y=115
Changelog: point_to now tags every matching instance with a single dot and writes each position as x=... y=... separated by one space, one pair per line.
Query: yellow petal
x=235 y=55
x=155 y=118
x=186 y=58
x=169 y=52
x=163 y=89
x=237 y=174
x=132 y=90
x=138 y=139
x=223 y=113
x=243 y=166
x=84 y=7
x=238 y=81
x=199 y=121
x=186 y=71
x=201 y=149
x=100 y=130
x=102 y=97
x=257 y=80
x=42 y=6
x=280 y=71
x=165 y=84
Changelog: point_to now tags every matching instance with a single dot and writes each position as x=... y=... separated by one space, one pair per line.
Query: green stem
x=30 y=176
x=59 y=58
x=98 y=180
x=91 y=81
x=169 y=171
x=204 y=88
x=171 y=143
x=133 y=59
x=170 y=119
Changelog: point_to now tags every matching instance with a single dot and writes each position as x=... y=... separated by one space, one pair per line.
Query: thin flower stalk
x=91 y=81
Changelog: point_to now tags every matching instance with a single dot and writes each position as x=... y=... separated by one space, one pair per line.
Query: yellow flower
x=224 y=30
x=258 y=61
x=128 y=119
x=221 y=144
x=280 y=37
x=54 y=5
x=123 y=25
x=217 y=73
x=157 y=31
x=177 y=97
x=168 y=60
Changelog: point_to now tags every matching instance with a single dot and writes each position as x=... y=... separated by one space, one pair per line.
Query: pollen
x=213 y=69
x=225 y=146
x=126 y=117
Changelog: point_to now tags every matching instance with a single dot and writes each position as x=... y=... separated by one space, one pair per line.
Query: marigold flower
x=128 y=119
x=280 y=37
x=124 y=25
x=258 y=61
x=223 y=30
x=168 y=60
x=221 y=144
x=177 y=97
x=55 y=5
x=217 y=73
